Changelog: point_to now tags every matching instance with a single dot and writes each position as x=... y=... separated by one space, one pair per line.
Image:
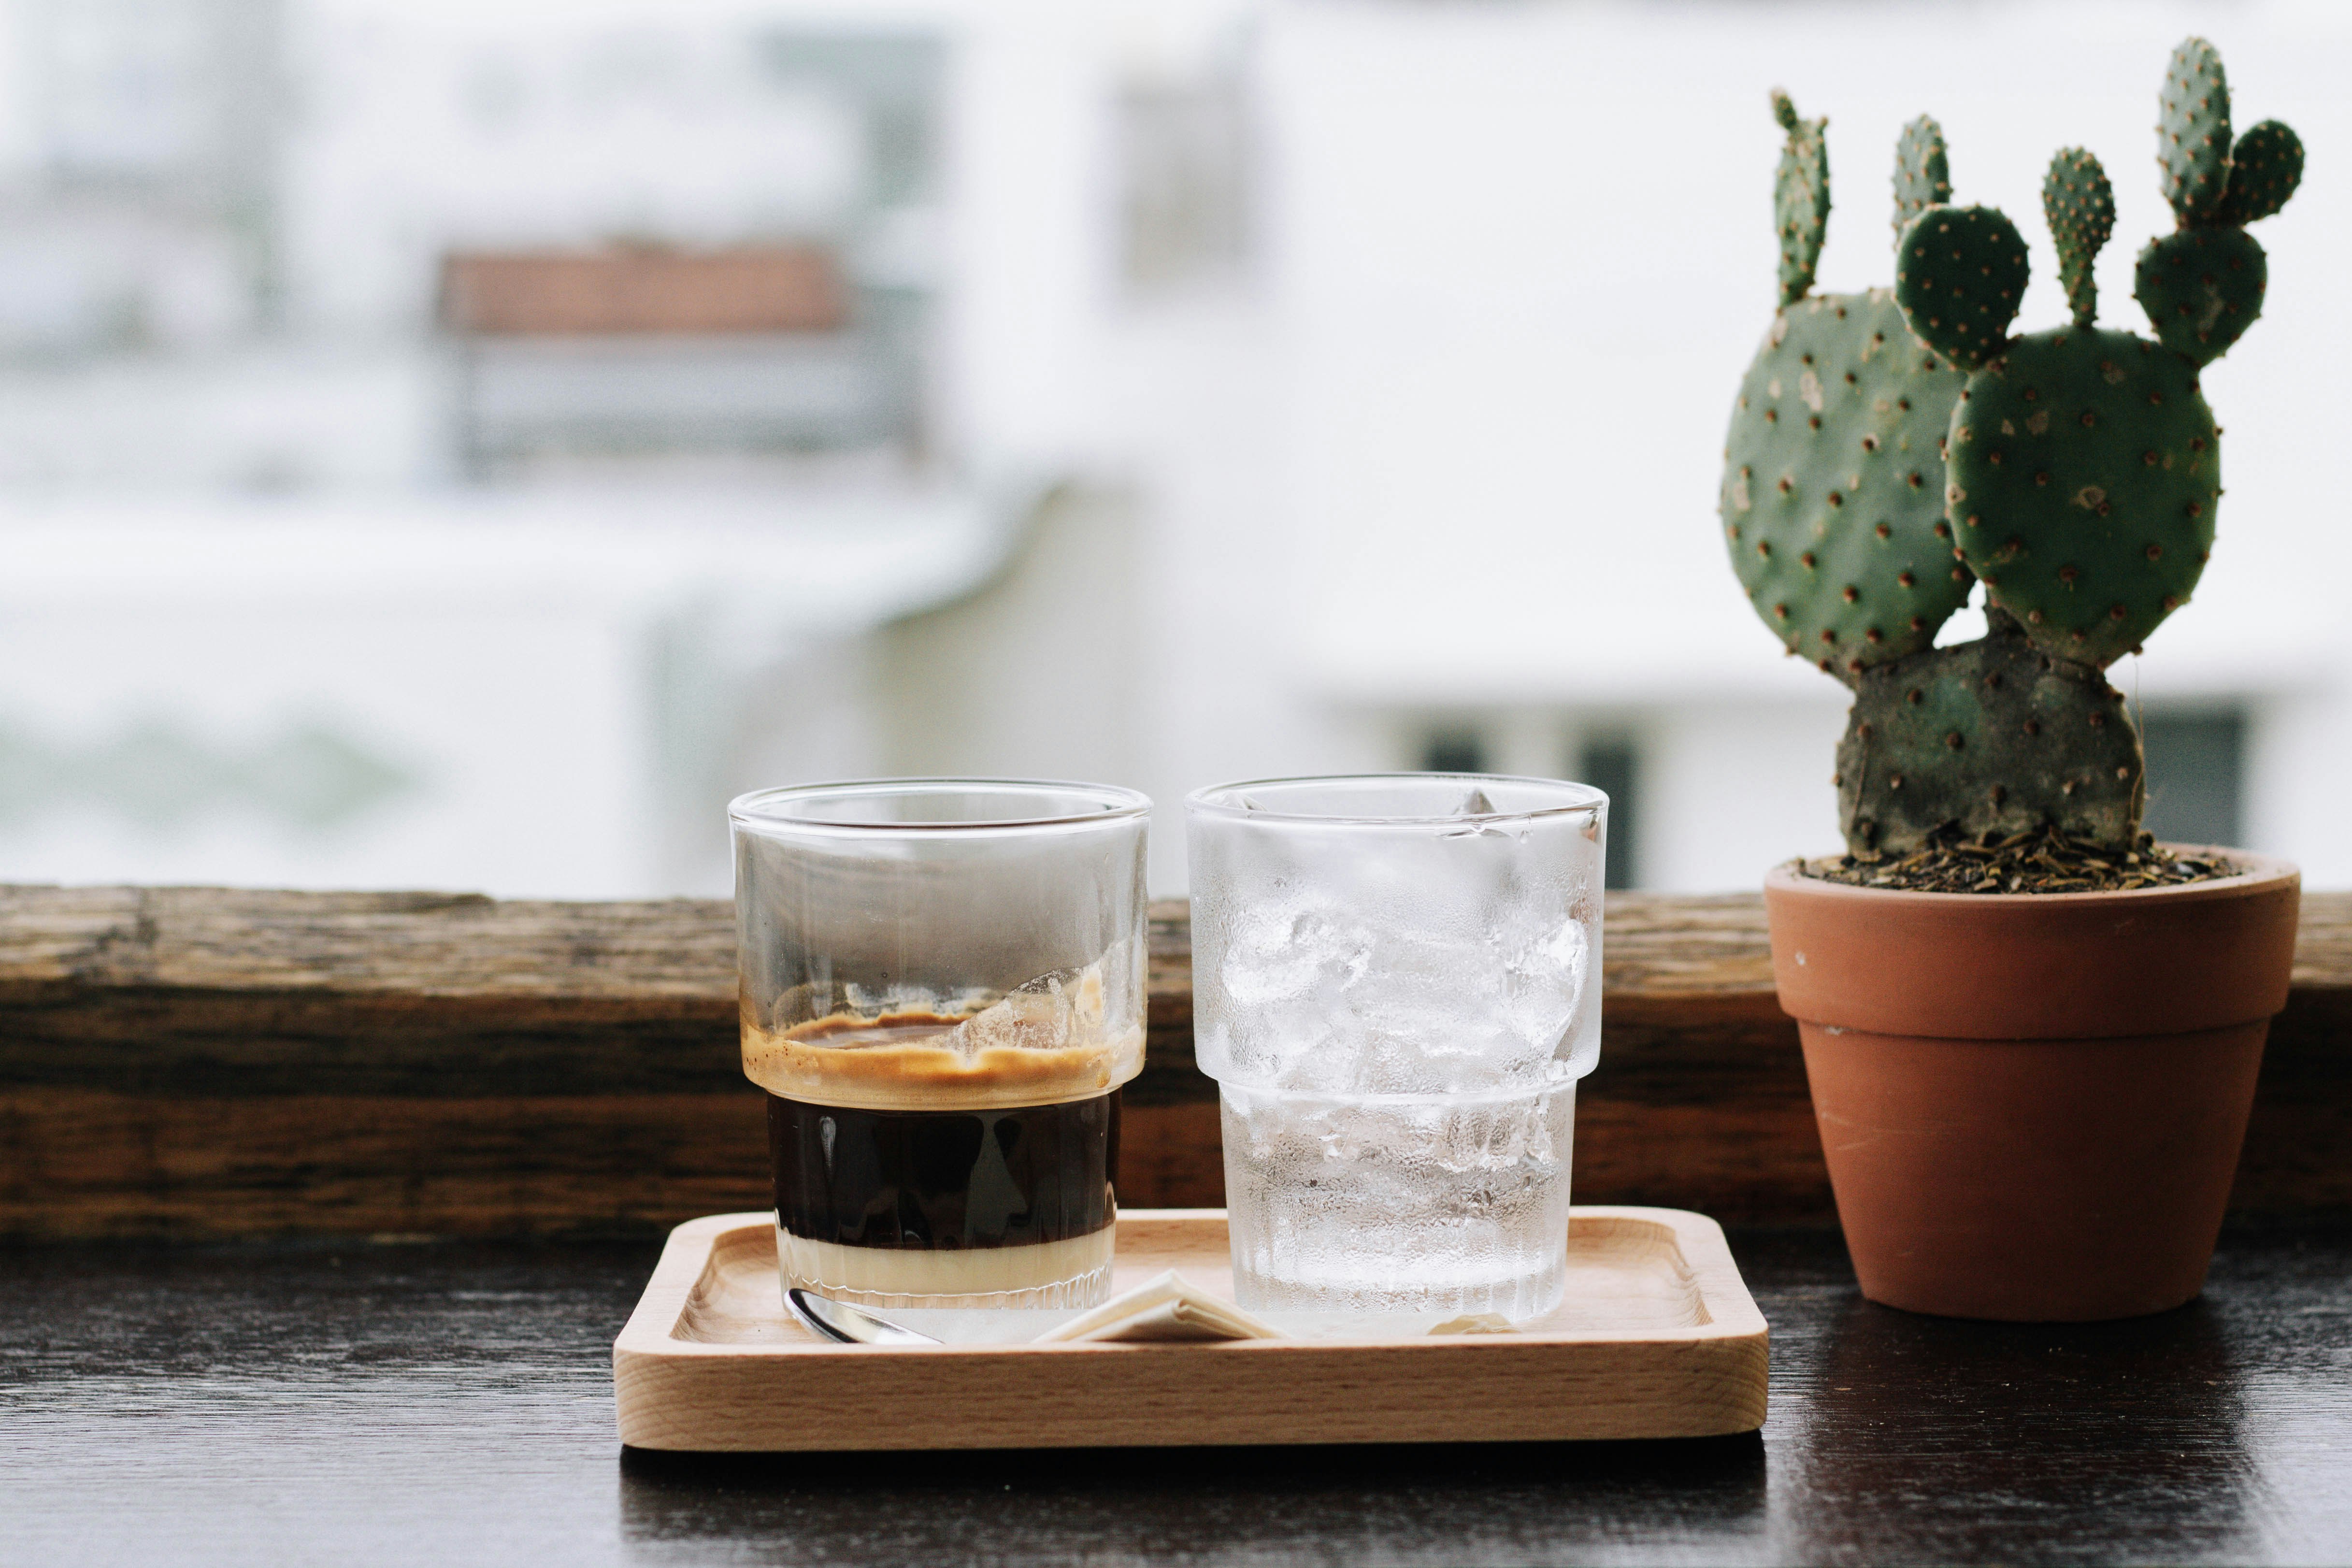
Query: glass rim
x=1206 y=802
x=1113 y=803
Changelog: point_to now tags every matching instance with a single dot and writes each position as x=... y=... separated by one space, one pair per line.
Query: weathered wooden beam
x=203 y=1063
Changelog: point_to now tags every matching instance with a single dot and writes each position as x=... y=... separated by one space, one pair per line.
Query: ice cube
x=1479 y=814
x=1281 y=951
x=1543 y=985
x=1053 y=1011
x=1283 y=968
x=1473 y=995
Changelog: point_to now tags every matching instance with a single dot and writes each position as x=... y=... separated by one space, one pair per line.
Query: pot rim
x=2036 y=966
x=2260 y=871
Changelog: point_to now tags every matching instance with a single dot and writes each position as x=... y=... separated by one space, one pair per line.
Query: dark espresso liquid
x=946 y=1180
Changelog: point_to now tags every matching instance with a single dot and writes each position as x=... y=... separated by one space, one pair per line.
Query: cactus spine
x=2079 y=474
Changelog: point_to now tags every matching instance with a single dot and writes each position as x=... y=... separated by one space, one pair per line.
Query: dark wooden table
x=321 y=1402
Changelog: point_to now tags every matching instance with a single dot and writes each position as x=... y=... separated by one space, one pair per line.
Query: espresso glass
x=942 y=990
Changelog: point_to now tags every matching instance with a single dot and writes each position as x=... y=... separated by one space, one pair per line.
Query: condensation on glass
x=1396 y=984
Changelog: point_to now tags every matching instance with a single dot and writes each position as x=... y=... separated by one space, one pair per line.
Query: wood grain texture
x=307 y=1402
x=193 y=1063
x=1659 y=1338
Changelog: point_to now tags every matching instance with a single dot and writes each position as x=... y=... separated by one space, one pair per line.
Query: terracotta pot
x=2031 y=1105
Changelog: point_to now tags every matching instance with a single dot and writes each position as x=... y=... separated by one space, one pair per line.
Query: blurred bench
x=190 y=1063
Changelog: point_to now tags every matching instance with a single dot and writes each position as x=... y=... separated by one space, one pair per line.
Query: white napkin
x=1164 y=1310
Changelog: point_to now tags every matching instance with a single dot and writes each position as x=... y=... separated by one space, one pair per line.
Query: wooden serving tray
x=1658 y=1337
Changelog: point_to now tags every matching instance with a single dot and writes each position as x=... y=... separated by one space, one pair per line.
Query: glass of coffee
x=942 y=990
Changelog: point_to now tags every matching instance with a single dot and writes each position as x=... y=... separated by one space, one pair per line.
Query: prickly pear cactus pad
x=2079 y=205
x=1832 y=493
x=1986 y=737
x=2265 y=167
x=2085 y=467
x=2201 y=289
x=1800 y=198
x=1959 y=275
x=2192 y=132
x=1922 y=172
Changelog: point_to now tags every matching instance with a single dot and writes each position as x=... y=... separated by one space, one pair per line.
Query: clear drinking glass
x=1396 y=984
x=942 y=990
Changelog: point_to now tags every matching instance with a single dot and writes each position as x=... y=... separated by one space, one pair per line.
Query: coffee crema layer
x=1072 y=1272
x=928 y=1061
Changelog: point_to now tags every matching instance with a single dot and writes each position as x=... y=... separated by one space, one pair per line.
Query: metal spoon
x=849 y=1325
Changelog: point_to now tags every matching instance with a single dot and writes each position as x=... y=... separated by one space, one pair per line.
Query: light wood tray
x=1658 y=1337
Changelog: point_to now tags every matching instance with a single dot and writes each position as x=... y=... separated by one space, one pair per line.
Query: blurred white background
x=1187 y=391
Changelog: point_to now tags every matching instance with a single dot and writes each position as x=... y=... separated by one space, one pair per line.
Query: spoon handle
x=848 y=1325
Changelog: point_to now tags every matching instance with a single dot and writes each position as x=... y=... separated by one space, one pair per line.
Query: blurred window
x=1454 y=751
x=2196 y=776
x=141 y=215
x=1185 y=164
x=1614 y=766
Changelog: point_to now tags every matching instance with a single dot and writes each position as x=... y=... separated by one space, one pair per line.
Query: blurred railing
x=195 y=1063
x=640 y=348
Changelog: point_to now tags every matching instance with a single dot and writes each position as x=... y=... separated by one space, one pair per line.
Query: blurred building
x=440 y=442
x=462 y=445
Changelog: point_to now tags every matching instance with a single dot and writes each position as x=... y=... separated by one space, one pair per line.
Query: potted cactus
x=2031 y=1032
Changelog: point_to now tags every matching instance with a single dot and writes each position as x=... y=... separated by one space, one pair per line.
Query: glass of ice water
x=1397 y=983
